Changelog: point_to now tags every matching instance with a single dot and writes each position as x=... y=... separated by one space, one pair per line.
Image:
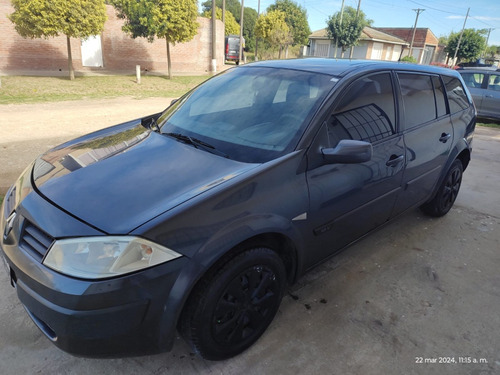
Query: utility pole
x=256 y=38
x=487 y=40
x=214 y=39
x=337 y=38
x=460 y=38
x=357 y=16
x=241 y=31
x=415 y=29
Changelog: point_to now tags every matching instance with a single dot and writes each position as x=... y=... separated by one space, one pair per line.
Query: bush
x=409 y=59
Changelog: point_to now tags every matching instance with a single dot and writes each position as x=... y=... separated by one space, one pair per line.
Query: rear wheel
x=447 y=193
x=232 y=307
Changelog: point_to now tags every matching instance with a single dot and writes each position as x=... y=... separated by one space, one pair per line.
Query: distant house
x=425 y=44
x=373 y=45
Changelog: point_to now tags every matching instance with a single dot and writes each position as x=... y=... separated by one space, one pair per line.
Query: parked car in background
x=484 y=85
x=197 y=218
x=232 y=48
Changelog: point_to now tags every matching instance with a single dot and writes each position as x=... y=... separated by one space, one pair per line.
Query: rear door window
x=418 y=98
x=473 y=80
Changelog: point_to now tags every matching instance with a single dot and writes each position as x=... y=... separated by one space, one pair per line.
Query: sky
x=441 y=16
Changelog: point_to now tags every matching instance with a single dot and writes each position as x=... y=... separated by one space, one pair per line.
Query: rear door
x=428 y=136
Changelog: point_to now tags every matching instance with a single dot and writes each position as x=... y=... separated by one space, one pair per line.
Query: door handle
x=394 y=160
x=444 y=137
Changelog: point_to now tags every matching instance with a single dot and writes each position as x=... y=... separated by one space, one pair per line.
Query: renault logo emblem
x=9 y=225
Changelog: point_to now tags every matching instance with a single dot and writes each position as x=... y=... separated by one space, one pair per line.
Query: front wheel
x=232 y=307
x=447 y=193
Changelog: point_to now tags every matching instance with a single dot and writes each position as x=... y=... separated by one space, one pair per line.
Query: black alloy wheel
x=447 y=193
x=231 y=309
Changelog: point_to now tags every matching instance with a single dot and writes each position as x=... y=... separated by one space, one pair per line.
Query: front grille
x=35 y=241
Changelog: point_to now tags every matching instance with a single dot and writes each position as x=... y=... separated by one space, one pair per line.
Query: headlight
x=101 y=257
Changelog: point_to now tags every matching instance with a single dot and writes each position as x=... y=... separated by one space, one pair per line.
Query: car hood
x=119 y=178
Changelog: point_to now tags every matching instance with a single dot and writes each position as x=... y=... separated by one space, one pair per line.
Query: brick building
x=112 y=50
x=425 y=44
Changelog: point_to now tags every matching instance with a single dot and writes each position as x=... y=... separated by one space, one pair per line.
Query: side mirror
x=348 y=152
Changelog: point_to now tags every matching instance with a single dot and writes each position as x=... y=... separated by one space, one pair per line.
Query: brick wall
x=120 y=52
x=422 y=36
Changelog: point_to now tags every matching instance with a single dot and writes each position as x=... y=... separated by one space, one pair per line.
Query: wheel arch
x=464 y=157
x=280 y=237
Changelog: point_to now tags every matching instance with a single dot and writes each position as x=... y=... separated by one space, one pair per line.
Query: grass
x=24 y=89
x=489 y=124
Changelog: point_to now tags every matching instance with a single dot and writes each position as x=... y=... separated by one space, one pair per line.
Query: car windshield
x=249 y=114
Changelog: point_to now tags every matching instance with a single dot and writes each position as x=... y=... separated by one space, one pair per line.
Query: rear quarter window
x=494 y=82
x=457 y=98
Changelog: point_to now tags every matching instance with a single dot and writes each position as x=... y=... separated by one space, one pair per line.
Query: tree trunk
x=169 y=61
x=70 y=60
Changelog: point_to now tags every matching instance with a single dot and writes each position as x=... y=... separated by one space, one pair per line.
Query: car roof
x=342 y=67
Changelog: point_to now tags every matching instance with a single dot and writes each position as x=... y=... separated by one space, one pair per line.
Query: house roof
x=423 y=36
x=368 y=33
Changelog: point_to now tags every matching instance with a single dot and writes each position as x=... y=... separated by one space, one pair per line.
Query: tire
x=447 y=192
x=232 y=307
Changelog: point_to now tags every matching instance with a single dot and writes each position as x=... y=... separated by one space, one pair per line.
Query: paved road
x=418 y=292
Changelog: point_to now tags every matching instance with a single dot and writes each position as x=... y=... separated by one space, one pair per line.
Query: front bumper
x=127 y=315
x=107 y=318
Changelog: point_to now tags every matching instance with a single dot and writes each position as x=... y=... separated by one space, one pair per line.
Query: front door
x=349 y=200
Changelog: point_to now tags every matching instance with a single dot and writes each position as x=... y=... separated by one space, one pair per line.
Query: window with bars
x=365 y=112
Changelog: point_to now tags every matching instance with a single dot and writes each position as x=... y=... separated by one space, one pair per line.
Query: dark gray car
x=484 y=85
x=197 y=218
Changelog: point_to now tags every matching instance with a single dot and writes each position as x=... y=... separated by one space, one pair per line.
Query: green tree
x=347 y=32
x=273 y=28
x=231 y=27
x=233 y=6
x=249 y=19
x=492 y=51
x=295 y=18
x=172 y=20
x=49 y=18
x=472 y=44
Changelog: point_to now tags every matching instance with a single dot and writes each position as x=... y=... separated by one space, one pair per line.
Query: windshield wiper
x=197 y=143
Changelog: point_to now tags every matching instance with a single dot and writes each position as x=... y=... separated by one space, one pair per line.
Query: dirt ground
x=420 y=296
x=27 y=130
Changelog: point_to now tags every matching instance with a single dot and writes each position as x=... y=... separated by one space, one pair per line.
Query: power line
x=429 y=7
